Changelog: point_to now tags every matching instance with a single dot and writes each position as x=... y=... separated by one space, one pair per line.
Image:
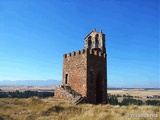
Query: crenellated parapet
x=97 y=53
x=85 y=51
x=79 y=52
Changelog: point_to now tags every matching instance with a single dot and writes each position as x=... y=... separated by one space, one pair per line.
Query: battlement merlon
x=97 y=53
x=72 y=54
x=85 y=51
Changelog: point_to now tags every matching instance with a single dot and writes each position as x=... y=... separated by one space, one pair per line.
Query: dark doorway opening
x=99 y=88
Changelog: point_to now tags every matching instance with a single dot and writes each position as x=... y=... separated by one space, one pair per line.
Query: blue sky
x=34 y=35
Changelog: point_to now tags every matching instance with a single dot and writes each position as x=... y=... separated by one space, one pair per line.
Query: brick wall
x=96 y=64
x=62 y=94
x=85 y=71
x=75 y=64
x=78 y=65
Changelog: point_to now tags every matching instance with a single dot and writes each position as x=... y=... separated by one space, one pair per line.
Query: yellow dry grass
x=135 y=92
x=50 y=109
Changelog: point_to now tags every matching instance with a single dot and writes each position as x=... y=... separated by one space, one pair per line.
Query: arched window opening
x=97 y=41
x=66 y=79
x=89 y=42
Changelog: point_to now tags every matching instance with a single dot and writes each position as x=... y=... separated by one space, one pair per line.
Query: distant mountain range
x=30 y=82
x=33 y=83
x=48 y=83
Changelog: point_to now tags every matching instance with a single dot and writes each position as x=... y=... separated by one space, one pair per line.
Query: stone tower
x=85 y=71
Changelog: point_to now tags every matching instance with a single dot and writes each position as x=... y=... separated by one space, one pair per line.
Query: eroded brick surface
x=85 y=70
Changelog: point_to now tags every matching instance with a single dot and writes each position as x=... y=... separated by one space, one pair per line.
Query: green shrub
x=131 y=101
x=153 y=102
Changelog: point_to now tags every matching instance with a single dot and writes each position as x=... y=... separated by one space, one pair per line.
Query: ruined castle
x=85 y=72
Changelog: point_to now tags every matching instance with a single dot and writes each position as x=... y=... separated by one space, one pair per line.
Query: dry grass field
x=136 y=93
x=50 y=109
x=25 y=88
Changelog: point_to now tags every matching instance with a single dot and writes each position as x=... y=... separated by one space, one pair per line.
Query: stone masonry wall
x=75 y=64
x=61 y=94
x=85 y=71
x=78 y=66
x=96 y=63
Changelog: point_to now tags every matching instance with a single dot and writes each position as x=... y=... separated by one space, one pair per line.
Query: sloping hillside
x=50 y=109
